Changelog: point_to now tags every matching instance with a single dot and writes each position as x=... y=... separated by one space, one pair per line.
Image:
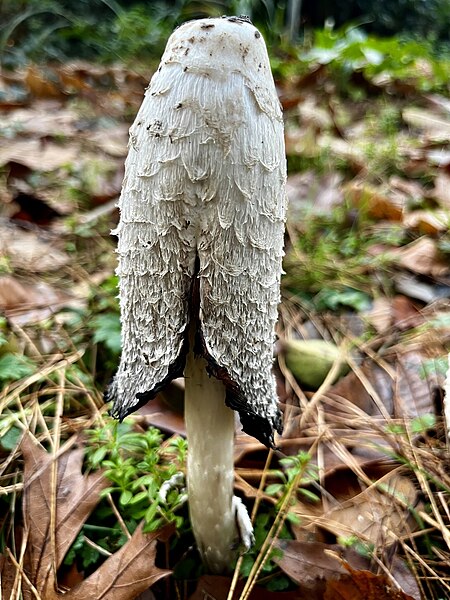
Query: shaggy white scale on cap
x=201 y=229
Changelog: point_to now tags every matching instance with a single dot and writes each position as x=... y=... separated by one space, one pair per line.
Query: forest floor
x=354 y=504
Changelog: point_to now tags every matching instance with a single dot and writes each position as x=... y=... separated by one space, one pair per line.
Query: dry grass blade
x=274 y=531
x=54 y=471
x=55 y=365
x=15 y=590
x=253 y=515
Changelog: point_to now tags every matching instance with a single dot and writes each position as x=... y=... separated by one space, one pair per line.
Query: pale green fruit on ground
x=311 y=360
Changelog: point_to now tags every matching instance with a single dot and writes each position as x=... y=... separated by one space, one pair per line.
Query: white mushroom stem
x=210 y=465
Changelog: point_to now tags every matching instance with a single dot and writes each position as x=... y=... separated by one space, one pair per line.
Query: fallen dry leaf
x=29 y=251
x=405 y=313
x=440 y=102
x=113 y=141
x=311 y=113
x=379 y=203
x=439 y=157
x=415 y=288
x=435 y=126
x=380 y=314
x=13 y=293
x=74 y=496
x=39 y=155
x=355 y=391
x=9 y=580
x=374 y=514
x=363 y=585
x=41 y=83
x=313 y=565
x=412 y=189
x=398 y=312
x=421 y=256
x=127 y=573
x=317 y=193
x=24 y=303
x=44 y=118
x=413 y=388
x=165 y=411
x=55 y=506
x=442 y=189
x=342 y=149
x=310 y=566
x=429 y=222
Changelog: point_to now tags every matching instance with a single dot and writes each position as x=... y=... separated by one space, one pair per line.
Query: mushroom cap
x=201 y=229
x=217 y=47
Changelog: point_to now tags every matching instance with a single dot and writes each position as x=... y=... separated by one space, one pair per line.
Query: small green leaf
x=179 y=521
x=89 y=555
x=278 y=584
x=107 y=330
x=144 y=480
x=153 y=525
x=125 y=497
x=395 y=428
x=423 y=423
x=14 y=366
x=288 y=461
x=279 y=474
x=10 y=439
x=273 y=489
x=308 y=494
x=109 y=463
x=99 y=455
x=293 y=518
x=107 y=491
x=75 y=549
x=138 y=497
x=151 y=512
x=246 y=565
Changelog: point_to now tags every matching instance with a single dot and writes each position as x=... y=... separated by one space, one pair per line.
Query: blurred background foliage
x=111 y=30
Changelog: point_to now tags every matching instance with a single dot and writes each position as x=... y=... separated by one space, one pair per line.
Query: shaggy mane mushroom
x=200 y=244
